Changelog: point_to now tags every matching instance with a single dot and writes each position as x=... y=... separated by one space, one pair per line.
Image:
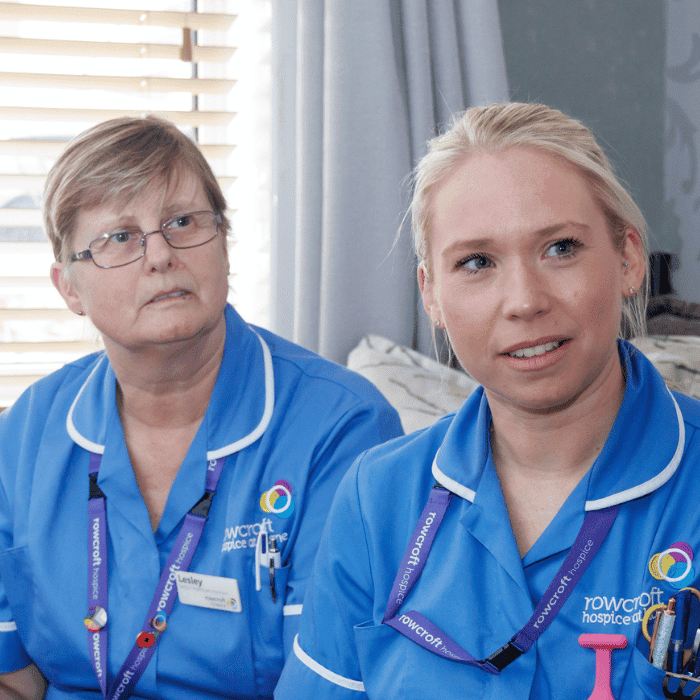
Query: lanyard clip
x=503 y=656
x=95 y=490
x=203 y=504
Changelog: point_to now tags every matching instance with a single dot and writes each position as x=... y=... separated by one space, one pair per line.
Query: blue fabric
x=475 y=586
x=322 y=417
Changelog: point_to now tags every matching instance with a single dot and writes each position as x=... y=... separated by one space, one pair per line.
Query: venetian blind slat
x=111 y=49
x=191 y=20
x=194 y=86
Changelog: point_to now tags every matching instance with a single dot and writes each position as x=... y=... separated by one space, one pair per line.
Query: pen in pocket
x=663 y=629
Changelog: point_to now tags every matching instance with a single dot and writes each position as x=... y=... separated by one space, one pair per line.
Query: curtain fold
x=359 y=87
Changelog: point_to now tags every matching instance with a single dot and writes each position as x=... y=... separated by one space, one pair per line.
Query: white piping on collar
x=652 y=484
x=451 y=484
x=77 y=437
x=627 y=495
x=267 y=413
x=91 y=446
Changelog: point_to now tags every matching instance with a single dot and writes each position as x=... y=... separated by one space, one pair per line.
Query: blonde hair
x=529 y=125
x=116 y=160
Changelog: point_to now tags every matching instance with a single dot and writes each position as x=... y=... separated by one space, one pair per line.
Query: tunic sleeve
x=12 y=654
x=324 y=662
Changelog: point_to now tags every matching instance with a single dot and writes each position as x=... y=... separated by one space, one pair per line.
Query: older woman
x=482 y=557
x=161 y=502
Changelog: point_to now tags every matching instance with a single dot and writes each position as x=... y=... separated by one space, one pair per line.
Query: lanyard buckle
x=203 y=504
x=95 y=490
x=503 y=656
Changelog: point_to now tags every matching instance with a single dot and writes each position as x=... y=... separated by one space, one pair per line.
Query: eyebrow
x=169 y=212
x=477 y=244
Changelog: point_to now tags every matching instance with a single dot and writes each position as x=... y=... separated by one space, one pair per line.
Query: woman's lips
x=169 y=295
x=540 y=356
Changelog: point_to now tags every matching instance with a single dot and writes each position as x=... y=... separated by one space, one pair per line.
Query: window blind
x=64 y=68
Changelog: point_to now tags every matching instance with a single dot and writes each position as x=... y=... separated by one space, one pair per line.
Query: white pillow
x=419 y=388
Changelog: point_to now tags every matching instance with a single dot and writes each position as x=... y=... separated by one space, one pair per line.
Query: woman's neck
x=561 y=441
x=168 y=386
x=162 y=396
x=540 y=457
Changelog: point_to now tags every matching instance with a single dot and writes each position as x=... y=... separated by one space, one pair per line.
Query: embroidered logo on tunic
x=616 y=610
x=278 y=500
x=674 y=565
x=245 y=536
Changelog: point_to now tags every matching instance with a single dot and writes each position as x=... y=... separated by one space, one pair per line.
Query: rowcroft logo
x=613 y=610
x=245 y=536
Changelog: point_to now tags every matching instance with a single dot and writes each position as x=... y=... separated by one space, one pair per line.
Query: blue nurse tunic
x=289 y=424
x=475 y=586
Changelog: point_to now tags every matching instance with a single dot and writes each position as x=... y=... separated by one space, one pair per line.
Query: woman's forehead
x=505 y=188
x=163 y=198
x=180 y=188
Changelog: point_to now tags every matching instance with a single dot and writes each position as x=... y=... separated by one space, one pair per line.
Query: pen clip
x=261 y=555
x=273 y=553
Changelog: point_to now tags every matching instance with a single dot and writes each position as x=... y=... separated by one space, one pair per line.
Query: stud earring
x=624 y=264
x=437 y=323
x=631 y=290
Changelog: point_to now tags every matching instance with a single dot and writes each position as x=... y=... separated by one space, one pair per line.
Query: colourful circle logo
x=674 y=565
x=278 y=499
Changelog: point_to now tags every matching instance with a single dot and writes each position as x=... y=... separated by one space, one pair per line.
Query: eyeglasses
x=123 y=247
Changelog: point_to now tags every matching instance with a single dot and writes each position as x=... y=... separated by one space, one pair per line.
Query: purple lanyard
x=166 y=590
x=420 y=630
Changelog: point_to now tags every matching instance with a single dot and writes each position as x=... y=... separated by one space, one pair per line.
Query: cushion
x=419 y=388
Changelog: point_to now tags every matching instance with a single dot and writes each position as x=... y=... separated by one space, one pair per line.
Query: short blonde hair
x=530 y=125
x=116 y=160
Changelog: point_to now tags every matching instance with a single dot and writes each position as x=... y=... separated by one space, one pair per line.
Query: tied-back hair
x=115 y=161
x=529 y=125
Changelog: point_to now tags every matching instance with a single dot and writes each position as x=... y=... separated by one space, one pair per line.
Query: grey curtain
x=358 y=88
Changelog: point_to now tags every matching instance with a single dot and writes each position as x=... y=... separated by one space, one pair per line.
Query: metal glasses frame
x=87 y=253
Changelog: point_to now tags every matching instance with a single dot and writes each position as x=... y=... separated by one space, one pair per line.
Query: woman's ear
x=633 y=261
x=65 y=288
x=427 y=290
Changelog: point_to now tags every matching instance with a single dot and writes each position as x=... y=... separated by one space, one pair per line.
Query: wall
x=603 y=63
x=681 y=181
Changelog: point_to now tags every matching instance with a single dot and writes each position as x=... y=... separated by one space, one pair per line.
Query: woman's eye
x=121 y=237
x=475 y=263
x=181 y=221
x=563 y=248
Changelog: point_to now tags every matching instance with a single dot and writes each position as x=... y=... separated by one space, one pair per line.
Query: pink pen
x=603 y=645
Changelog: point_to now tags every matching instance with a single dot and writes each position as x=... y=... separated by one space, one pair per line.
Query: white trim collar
x=236 y=446
x=267 y=413
x=76 y=436
x=655 y=482
x=630 y=494
x=451 y=484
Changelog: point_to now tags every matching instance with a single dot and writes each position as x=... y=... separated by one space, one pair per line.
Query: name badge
x=204 y=591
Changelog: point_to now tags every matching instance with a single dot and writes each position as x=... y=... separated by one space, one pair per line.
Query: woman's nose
x=158 y=254
x=525 y=293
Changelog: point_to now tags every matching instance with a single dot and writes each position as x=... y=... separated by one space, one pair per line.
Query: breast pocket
x=650 y=680
x=267 y=626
